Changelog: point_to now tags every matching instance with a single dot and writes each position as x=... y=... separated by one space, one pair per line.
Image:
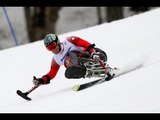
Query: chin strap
x=60 y=47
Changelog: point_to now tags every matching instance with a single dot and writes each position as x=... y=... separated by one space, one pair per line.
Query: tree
x=40 y=21
x=114 y=13
x=139 y=9
x=99 y=16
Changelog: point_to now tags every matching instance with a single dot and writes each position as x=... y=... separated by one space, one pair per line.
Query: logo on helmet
x=53 y=36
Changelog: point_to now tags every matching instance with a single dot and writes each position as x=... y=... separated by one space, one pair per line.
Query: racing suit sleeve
x=52 y=72
x=81 y=43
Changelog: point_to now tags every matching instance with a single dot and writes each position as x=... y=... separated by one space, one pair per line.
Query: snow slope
x=129 y=42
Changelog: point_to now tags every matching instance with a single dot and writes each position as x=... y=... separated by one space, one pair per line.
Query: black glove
x=38 y=81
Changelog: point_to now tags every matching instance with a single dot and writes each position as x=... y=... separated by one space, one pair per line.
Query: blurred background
x=22 y=25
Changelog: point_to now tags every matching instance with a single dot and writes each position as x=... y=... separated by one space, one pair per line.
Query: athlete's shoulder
x=72 y=38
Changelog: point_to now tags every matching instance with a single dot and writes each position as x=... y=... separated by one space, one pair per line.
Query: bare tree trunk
x=51 y=18
x=29 y=23
x=40 y=21
x=99 y=16
x=114 y=13
x=139 y=9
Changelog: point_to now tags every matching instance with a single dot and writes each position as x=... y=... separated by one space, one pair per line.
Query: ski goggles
x=52 y=46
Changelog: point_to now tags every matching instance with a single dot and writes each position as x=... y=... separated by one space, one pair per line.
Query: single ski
x=118 y=73
x=23 y=95
x=89 y=84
